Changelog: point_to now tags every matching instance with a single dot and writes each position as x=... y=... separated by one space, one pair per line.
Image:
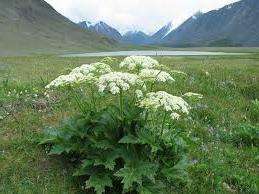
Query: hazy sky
x=145 y=15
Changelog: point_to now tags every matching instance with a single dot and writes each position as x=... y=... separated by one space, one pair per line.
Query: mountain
x=236 y=24
x=85 y=24
x=161 y=33
x=33 y=26
x=101 y=28
x=136 y=37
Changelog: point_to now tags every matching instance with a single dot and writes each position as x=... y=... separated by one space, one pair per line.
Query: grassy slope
x=229 y=88
x=33 y=26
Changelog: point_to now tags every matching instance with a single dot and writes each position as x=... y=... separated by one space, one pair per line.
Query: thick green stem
x=121 y=105
x=163 y=123
x=80 y=106
x=93 y=99
x=76 y=97
x=146 y=116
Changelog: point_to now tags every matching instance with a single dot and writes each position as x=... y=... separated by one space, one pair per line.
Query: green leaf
x=58 y=149
x=146 y=137
x=99 y=182
x=83 y=169
x=178 y=171
x=134 y=173
x=129 y=139
x=50 y=136
x=108 y=159
x=152 y=188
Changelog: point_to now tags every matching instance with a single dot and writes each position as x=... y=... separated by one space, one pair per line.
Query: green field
x=226 y=125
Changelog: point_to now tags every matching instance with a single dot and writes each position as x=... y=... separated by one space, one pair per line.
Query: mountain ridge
x=101 y=28
x=33 y=26
x=235 y=24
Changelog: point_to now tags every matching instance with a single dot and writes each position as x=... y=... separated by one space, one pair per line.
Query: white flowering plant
x=124 y=137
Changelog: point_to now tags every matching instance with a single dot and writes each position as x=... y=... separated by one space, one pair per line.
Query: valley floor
x=225 y=151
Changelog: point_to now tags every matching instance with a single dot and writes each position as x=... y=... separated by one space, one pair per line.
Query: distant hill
x=236 y=24
x=33 y=26
x=136 y=37
x=101 y=28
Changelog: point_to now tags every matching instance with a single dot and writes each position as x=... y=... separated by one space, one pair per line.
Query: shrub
x=123 y=138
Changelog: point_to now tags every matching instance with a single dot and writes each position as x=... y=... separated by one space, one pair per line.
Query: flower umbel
x=155 y=75
x=116 y=81
x=80 y=74
x=66 y=80
x=165 y=101
x=139 y=62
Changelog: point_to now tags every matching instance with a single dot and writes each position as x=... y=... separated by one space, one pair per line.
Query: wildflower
x=175 y=116
x=96 y=68
x=84 y=69
x=139 y=62
x=139 y=94
x=155 y=75
x=191 y=94
x=66 y=80
x=101 y=68
x=165 y=101
x=80 y=74
x=116 y=81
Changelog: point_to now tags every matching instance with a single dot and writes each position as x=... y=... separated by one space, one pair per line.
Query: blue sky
x=145 y=15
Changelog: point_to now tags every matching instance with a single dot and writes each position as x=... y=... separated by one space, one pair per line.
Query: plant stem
x=163 y=123
x=121 y=105
x=77 y=101
x=93 y=99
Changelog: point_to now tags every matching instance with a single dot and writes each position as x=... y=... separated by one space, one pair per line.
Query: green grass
x=223 y=163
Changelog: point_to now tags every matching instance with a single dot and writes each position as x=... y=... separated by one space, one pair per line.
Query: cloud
x=145 y=15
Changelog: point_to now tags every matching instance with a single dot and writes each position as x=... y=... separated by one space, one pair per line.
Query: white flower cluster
x=155 y=75
x=66 y=80
x=139 y=94
x=97 y=68
x=116 y=81
x=139 y=62
x=101 y=68
x=165 y=101
x=85 y=72
x=195 y=95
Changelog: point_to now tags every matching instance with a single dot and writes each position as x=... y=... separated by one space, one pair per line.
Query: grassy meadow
x=225 y=123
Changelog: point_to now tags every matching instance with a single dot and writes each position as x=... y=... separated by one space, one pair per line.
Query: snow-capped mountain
x=85 y=24
x=161 y=33
x=235 y=24
x=136 y=37
x=101 y=28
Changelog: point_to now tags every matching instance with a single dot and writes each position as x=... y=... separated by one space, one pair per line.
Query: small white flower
x=175 y=116
x=1 y=117
x=101 y=68
x=66 y=80
x=80 y=74
x=155 y=75
x=139 y=94
x=116 y=81
x=191 y=94
x=140 y=62
x=167 y=102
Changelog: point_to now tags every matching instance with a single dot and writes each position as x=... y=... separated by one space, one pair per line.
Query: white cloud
x=145 y=15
